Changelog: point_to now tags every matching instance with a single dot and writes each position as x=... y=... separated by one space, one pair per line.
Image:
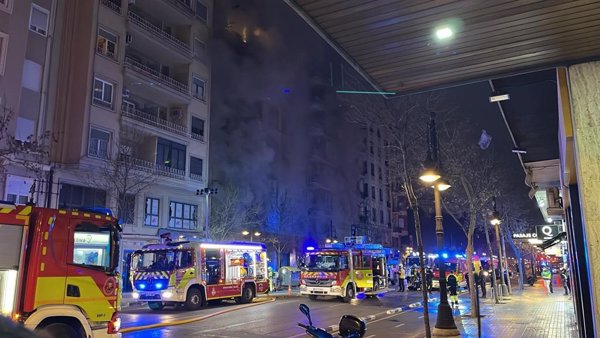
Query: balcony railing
x=115 y=5
x=152 y=120
x=159 y=169
x=196 y=177
x=198 y=137
x=159 y=33
x=182 y=6
x=154 y=74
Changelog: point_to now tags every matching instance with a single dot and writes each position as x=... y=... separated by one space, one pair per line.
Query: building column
x=584 y=93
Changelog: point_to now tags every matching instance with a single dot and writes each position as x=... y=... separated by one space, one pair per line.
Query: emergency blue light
x=142 y=286
x=310 y=248
x=361 y=295
x=158 y=285
x=445 y=255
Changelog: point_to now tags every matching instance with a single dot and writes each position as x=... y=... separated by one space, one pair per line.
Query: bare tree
x=283 y=213
x=225 y=213
x=123 y=174
x=30 y=153
x=475 y=180
x=403 y=122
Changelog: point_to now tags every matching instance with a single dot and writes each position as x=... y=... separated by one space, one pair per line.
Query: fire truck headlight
x=334 y=282
x=135 y=295
x=167 y=294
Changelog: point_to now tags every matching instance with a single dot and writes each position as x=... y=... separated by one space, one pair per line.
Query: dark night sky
x=285 y=36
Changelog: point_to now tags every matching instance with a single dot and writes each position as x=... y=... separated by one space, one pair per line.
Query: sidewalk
x=528 y=313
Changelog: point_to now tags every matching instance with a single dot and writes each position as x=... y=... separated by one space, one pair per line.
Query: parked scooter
x=349 y=327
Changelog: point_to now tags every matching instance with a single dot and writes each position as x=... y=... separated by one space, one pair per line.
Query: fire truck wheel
x=247 y=294
x=194 y=299
x=156 y=306
x=59 y=330
x=349 y=294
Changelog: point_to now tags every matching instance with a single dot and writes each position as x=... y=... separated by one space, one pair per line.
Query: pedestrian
x=482 y=281
x=551 y=277
x=547 y=276
x=453 y=289
x=467 y=280
x=401 y=277
x=429 y=279
x=565 y=280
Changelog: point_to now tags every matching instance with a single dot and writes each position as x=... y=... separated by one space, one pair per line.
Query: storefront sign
x=545 y=232
x=523 y=236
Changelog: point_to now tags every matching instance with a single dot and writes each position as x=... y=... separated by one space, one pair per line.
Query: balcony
x=155 y=31
x=158 y=169
x=182 y=7
x=155 y=75
x=115 y=5
x=152 y=120
x=198 y=137
x=196 y=177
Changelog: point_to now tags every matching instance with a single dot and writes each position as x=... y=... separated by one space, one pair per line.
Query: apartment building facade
x=25 y=46
x=126 y=100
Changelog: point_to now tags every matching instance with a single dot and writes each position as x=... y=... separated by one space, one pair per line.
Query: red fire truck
x=191 y=273
x=58 y=271
x=343 y=270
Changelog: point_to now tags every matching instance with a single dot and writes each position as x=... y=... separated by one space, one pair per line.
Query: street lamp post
x=444 y=324
x=207 y=192
x=252 y=234
x=496 y=223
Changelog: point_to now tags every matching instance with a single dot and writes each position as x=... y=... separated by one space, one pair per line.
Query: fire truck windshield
x=161 y=260
x=318 y=262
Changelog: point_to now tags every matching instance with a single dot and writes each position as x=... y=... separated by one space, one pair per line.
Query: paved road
x=278 y=318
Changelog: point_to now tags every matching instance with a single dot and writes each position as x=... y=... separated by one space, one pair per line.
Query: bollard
x=290 y=289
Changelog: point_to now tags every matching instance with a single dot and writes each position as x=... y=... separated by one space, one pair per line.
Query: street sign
x=524 y=236
x=545 y=232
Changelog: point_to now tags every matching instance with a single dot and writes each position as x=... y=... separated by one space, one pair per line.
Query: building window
x=106 y=43
x=372 y=192
x=198 y=87
x=197 y=128
x=98 y=144
x=371 y=148
x=3 y=51
x=373 y=169
x=374 y=213
x=152 y=212
x=365 y=170
x=127 y=208
x=75 y=196
x=365 y=190
x=38 y=20
x=170 y=154
x=201 y=10
x=18 y=189
x=381 y=216
x=381 y=194
x=6 y=5
x=182 y=216
x=199 y=49
x=103 y=93
x=195 y=167
x=380 y=173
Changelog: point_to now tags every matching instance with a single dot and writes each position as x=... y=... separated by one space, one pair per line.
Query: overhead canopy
x=393 y=43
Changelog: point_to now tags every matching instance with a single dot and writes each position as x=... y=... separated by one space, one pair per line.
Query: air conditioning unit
x=127 y=38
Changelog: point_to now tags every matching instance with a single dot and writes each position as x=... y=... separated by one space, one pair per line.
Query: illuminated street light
x=252 y=234
x=444 y=324
x=443 y=33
